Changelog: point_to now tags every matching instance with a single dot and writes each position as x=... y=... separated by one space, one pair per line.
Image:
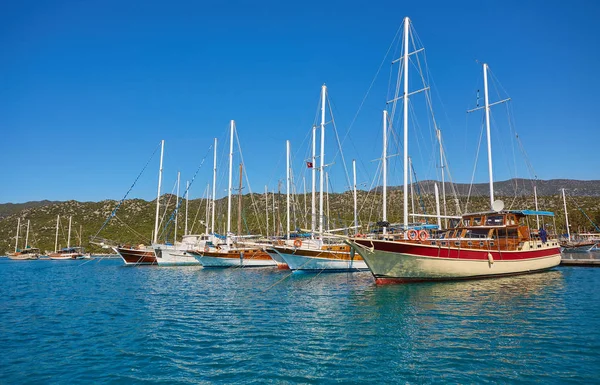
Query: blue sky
x=90 y=88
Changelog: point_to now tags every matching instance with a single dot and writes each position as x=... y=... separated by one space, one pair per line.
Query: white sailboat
x=318 y=253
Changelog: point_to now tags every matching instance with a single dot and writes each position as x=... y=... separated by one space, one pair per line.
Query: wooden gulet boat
x=67 y=253
x=231 y=254
x=140 y=255
x=489 y=244
x=28 y=253
x=483 y=245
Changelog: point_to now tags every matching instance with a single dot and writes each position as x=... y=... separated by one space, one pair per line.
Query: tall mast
x=322 y=160
x=177 y=207
x=275 y=232
x=69 y=236
x=239 y=219
x=187 y=202
x=355 y=198
x=267 y=208
x=230 y=178
x=207 y=208
x=287 y=190
x=566 y=215
x=56 y=240
x=442 y=169
x=17 y=237
x=384 y=169
x=313 y=224
x=160 y=170
x=488 y=132
x=305 y=210
x=437 y=205
x=214 y=187
x=412 y=188
x=27 y=235
x=405 y=100
x=327 y=195
x=537 y=217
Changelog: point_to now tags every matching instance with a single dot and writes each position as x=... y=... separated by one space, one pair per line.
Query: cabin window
x=433 y=243
x=443 y=243
x=467 y=222
x=476 y=221
x=457 y=244
x=469 y=243
x=511 y=220
x=494 y=220
x=481 y=244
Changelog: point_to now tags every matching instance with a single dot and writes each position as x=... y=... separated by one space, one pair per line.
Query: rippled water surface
x=64 y=321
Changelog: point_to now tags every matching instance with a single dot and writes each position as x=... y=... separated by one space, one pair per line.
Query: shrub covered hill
x=134 y=221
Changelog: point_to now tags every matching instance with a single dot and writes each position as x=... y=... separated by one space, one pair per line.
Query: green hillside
x=134 y=221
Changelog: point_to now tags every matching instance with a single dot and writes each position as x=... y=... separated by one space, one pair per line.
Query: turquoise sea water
x=100 y=322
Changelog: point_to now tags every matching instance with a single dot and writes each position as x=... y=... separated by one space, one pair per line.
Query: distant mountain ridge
x=517 y=187
x=7 y=209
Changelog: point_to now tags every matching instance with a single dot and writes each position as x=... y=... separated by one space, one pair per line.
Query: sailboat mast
x=305 y=210
x=322 y=160
x=17 y=237
x=566 y=215
x=287 y=190
x=437 y=205
x=207 y=210
x=187 y=202
x=69 y=236
x=230 y=178
x=177 y=207
x=537 y=217
x=355 y=197
x=267 y=208
x=384 y=170
x=313 y=224
x=56 y=240
x=488 y=131
x=160 y=170
x=327 y=195
x=214 y=187
x=239 y=219
x=412 y=185
x=405 y=100
x=27 y=235
x=442 y=169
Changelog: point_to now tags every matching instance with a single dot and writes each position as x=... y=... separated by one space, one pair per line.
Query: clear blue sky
x=89 y=88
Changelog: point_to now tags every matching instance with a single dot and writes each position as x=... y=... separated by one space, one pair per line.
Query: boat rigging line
x=114 y=212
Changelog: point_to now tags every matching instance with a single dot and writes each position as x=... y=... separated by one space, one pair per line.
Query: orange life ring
x=423 y=235
x=297 y=243
x=206 y=249
x=412 y=234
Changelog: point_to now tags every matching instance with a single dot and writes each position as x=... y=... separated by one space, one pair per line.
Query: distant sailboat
x=571 y=245
x=69 y=252
x=27 y=252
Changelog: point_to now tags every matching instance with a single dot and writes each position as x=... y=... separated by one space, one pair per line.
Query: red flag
x=309 y=164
